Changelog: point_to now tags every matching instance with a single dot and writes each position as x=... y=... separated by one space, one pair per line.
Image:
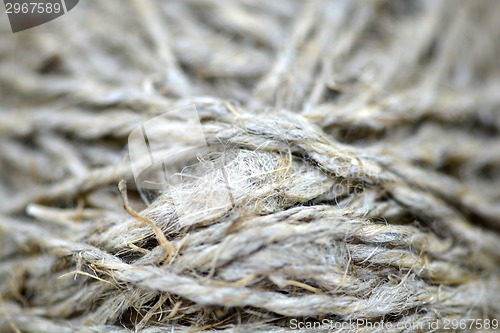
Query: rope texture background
x=363 y=169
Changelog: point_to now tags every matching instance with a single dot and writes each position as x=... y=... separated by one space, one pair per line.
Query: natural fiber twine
x=364 y=167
